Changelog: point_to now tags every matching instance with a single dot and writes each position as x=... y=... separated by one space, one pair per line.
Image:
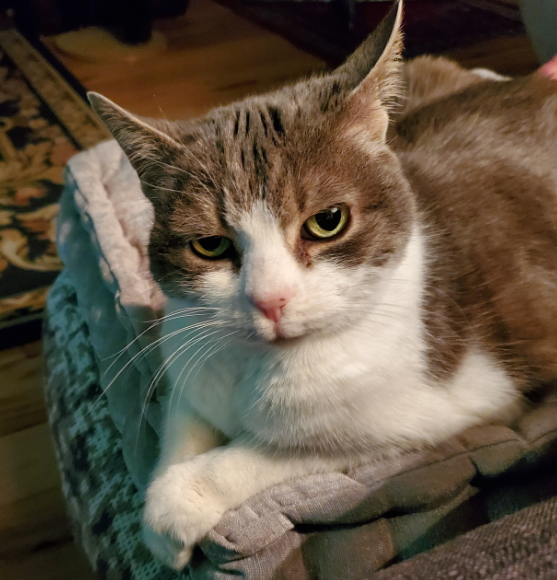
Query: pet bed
x=100 y=359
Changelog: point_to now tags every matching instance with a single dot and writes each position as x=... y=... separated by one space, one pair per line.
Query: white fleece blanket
x=103 y=232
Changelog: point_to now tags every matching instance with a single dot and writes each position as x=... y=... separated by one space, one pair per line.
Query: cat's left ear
x=371 y=79
x=144 y=143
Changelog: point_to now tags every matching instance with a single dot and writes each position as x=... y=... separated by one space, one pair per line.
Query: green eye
x=213 y=247
x=327 y=223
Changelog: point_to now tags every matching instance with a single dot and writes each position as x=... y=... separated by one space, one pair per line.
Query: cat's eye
x=327 y=223
x=212 y=247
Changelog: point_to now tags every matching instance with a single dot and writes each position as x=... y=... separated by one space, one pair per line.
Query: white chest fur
x=362 y=388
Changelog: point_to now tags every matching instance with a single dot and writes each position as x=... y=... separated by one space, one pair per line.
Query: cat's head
x=283 y=211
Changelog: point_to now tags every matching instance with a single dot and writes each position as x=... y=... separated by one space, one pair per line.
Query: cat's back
x=483 y=165
x=486 y=157
x=513 y=121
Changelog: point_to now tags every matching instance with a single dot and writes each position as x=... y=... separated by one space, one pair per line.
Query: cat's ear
x=143 y=143
x=370 y=79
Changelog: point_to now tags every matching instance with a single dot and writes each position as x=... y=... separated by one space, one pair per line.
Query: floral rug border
x=72 y=115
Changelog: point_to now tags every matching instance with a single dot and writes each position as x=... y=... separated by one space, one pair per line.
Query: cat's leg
x=188 y=499
x=186 y=436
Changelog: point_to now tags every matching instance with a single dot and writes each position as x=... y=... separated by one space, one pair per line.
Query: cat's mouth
x=277 y=341
x=276 y=336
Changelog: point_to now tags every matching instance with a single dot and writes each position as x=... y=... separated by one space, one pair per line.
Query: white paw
x=180 y=510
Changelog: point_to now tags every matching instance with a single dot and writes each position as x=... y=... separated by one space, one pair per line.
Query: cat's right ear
x=143 y=143
x=369 y=82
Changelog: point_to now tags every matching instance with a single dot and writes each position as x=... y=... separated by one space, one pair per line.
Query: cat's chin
x=286 y=341
x=280 y=338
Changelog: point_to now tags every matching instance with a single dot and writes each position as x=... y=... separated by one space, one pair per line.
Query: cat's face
x=284 y=212
x=284 y=227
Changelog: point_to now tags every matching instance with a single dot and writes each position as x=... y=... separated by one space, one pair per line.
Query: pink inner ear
x=549 y=69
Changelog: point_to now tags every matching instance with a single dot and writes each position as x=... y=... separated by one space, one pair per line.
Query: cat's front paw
x=180 y=510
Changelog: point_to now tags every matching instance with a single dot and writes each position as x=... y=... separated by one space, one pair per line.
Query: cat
x=335 y=295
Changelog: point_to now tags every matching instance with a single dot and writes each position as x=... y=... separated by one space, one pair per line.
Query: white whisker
x=152 y=346
x=200 y=361
x=163 y=368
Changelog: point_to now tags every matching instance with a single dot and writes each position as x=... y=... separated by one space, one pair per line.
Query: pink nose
x=272 y=306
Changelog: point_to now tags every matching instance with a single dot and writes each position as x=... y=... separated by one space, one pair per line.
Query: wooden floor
x=213 y=57
x=35 y=536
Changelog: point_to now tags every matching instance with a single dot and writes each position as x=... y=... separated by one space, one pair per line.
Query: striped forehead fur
x=300 y=150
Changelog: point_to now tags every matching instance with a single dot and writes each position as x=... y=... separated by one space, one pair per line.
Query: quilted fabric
x=103 y=501
x=325 y=526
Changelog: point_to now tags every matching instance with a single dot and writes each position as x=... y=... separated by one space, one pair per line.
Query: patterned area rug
x=43 y=122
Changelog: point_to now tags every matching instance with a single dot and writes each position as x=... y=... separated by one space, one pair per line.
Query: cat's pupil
x=328 y=219
x=210 y=244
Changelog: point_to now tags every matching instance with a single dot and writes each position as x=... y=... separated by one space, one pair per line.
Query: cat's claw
x=179 y=512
